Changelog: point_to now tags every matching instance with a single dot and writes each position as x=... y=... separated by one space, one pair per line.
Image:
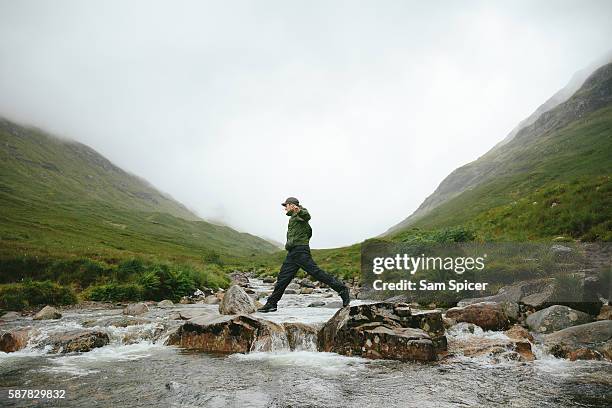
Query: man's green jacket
x=299 y=231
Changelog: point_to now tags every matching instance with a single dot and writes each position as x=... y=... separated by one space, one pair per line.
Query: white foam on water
x=82 y=364
x=329 y=362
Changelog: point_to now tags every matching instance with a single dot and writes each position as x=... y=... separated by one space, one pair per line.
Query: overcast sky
x=359 y=109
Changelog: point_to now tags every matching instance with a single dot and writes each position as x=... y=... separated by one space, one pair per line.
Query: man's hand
x=293 y=208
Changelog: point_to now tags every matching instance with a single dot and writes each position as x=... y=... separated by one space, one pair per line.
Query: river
x=136 y=369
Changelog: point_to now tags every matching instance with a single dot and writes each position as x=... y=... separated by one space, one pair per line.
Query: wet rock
x=14 y=340
x=497 y=349
x=116 y=321
x=328 y=295
x=135 y=309
x=307 y=283
x=512 y=293
x=333 y=305
x=211 y=300
x=301 y=336
x=236 y=301
x=47 y=312
x=518 y=332
x=377 y=331
x=596 y=336
x=291 y=292
x=555 y=318
x=306 y=291
x=80 y=341
x=488 y=315
x=10 y=316
x=229 y=334
x=269 y=279
x=165 y=303
x=317 y=303
x=239 y=278
x=294 y=286
x=605 y=313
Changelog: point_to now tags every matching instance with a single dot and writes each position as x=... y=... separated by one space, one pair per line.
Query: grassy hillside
x=517 y=155
x=62 y=200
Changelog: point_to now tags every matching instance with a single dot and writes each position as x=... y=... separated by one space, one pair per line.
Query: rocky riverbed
x=309 y=353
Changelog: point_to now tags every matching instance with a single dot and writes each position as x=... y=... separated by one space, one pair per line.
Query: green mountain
x=62 y=199
x=550 y=177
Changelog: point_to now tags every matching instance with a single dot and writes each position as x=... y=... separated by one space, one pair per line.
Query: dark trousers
x=300 y=257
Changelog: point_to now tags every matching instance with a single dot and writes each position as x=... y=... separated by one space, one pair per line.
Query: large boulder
x=380 y=330
x=555 y=318
x=487 y=315
x=540 y=293
x=165 y=303
x=236 y=301
x=14 y=340
x=135 y=309
x=10 y=316
x=47 y=312
x=230 y=334
x=590 y=340
x=77 y=341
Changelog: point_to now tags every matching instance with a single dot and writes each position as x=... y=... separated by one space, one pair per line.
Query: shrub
x=18 y=296
x=113 y=291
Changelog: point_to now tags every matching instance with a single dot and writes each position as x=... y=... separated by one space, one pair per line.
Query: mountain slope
x=567 y=148
x=62 y=198
x=472 y=174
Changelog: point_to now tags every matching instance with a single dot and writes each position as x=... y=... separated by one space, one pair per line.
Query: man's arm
x=303 y=214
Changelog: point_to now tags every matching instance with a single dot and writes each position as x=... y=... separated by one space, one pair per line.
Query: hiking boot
x=267 y=308
x=346 y=297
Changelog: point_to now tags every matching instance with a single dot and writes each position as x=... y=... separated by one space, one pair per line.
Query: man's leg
x=305 y=261
x=286 y=274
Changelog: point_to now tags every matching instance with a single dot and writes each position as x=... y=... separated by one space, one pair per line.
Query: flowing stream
x=137 y=369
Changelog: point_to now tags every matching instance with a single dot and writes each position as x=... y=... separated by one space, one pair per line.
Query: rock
x=269 y=279
x=512 y=293
x=193 y=314
x=249 y=291
x=377 y=331
x=301 y=336
x=488 y=315
x=557 y=249
x=10 y=316
x=328 y=295
x=518 y=332
x=79 y=341
x=605 y=313
x=236 y=301
x=47 y=312
x=186 y=300
x=14 y=340
x=165 y=303
x=307 y=283
x=239 y=278
x=230 y=334
x=584 y=354
x=555 y=318
x=291 y=292
x=116 y=321
x=294 y=286
x=333 y=305
x=497 y=349
x=596 y=337
x=211 y=300
x=306 y=291
x=317 y=303
x=135 y=309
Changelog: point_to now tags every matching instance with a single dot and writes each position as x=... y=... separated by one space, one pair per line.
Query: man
x=298 y=256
